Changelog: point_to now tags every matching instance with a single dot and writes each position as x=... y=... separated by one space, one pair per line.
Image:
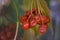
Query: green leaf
x=36 y=29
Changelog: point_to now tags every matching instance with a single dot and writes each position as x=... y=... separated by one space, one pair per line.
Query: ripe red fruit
x=12 y=26
x=43 y=28
x=35 y=11
x=23 y=18
x=9 y=34
x=3 y=37
x=48 y=20
x=25 y=25
x=37 y=18
x=44 y=19
x=44 y=25
x=32 y=23
x=28 y=13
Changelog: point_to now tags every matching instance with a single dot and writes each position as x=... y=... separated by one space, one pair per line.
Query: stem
x=39 y=10
x=31 y=11
x=14 y=3
x=16 y=31
x=40 y=7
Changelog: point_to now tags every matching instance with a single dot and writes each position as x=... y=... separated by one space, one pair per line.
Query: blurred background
x=8 y=16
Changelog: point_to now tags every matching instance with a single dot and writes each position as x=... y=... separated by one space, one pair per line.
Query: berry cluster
x=33 y=17
x=7 y=32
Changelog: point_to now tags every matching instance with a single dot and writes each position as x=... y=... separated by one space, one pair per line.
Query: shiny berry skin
x=44 y=19
x=30 y=20
x=43 y=28
x=25 y=25
x=37 y=18
x=23 y=18
x=32 y=23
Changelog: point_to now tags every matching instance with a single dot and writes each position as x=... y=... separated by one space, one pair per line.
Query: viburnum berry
x=37 y=18
x=48 y=20
x=32 y=22
x=32 y=17
x=3 y=37
x=9 y=34
x=25 y=25
x=44 y=19
x=12 y=26
x=35 y=11
x=43 y=28
x=23 y=19
x=28 y=13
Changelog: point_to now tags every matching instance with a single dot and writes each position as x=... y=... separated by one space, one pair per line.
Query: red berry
x=28 y=13
x=23 y=18
x=44 y=25
x=35 y=11
x=9 y=34
x=25 y=25
x=44 y=19
x=3 y=37
x=43 y=28
x=48 y=20
x=32 y=22
x=12 y=26
x=37 y=18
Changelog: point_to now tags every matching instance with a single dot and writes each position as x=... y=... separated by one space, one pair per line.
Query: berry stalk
x=17 y=20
